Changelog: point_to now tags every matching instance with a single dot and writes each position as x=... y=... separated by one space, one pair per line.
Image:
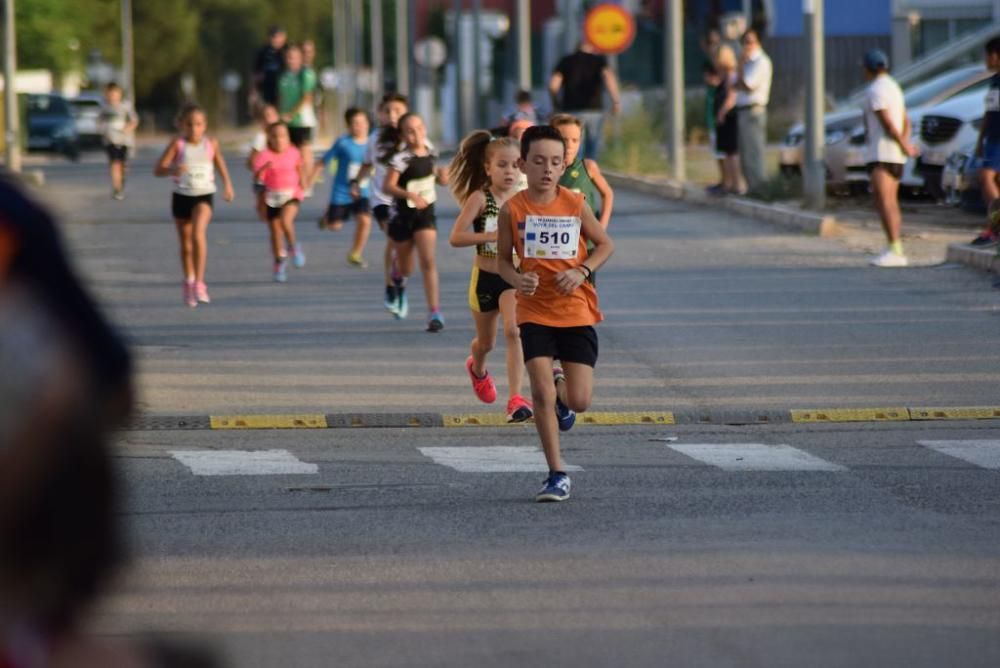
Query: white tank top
x=199 y=177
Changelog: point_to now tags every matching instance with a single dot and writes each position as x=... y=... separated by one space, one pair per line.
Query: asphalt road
x=781 y=545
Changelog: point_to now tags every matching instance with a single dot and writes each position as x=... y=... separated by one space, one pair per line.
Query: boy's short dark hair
x=993 y=46
x=523 y=96
x=352 y=112
x=538 y=133
x=388 y=98
x=112 y=85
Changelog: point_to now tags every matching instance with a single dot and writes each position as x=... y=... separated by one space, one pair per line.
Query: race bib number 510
x=551 y=237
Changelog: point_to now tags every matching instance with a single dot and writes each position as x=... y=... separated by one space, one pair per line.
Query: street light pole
x=814 y=169
x=477 y=38
x=378 y=51
x=402 y=49
x=128 y=51
x=673 y=68
x=12 y=152
x=524 y=44
x=456 y=53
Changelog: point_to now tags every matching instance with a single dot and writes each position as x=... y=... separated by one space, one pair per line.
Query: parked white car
x=944 y=129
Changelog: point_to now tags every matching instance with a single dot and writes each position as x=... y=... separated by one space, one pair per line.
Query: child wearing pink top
x=281 y=169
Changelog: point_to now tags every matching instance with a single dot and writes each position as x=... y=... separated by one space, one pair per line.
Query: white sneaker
x=889 y=259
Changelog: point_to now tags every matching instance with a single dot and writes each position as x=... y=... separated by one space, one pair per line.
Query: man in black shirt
x=268 y=66
x=581 y=77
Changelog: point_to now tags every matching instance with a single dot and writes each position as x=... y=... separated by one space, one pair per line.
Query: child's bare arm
x=461 y=235
x=220 y=164
x=604 y=188
x=569 y=280
x=163 y=166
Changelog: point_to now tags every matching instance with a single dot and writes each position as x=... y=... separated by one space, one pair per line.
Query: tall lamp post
x=12 y=151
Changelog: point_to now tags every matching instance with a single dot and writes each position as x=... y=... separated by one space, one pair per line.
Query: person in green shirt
x=296 y=89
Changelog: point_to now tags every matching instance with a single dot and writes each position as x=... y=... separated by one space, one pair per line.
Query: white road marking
x=754 y=457
x=242 y=462
x=981 y=453
x=492 y=459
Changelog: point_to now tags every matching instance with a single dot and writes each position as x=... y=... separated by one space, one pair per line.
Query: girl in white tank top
x=196 y=163
x=192 y=160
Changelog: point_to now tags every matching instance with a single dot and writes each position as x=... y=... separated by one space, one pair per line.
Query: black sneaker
x=984 y=240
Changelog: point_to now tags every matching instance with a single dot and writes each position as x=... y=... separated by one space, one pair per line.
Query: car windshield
x=48 y=104
x=923 y=93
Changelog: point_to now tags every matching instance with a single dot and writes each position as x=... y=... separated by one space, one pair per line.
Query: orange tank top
x=548 y=239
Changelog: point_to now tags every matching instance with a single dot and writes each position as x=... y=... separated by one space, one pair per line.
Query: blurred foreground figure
x=65 y=387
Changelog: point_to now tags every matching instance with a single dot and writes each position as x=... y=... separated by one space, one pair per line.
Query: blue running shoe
x=402 y=304
x=435 y=323
x=566 y=417
x=298 y=256
x=281 y=270
x=555 y=488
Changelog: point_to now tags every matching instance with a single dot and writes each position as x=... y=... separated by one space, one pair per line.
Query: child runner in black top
x=411 y=180
x=484 y=174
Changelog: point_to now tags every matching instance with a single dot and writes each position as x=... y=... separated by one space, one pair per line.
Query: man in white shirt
x=887 y=149
x=753 y=94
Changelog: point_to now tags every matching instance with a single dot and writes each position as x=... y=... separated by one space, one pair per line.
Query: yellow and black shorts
x=485 y=289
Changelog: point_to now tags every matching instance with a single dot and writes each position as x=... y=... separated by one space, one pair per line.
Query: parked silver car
x=87 y=111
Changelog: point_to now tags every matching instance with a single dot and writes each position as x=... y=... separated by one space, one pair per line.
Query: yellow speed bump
x=597 y=418
x=851 y=415
x=955 y=413
x=307 y=421
x=623 y=418
x=476 y=420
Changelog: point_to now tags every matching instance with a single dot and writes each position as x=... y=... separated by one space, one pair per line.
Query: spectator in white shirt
x=887 y=149
x=752 y=97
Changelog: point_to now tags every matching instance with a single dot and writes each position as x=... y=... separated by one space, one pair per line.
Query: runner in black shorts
x=411 y=180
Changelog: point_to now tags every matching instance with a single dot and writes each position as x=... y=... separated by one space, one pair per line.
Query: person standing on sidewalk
x=888 y=130
x=988 y=144
x=753 y=94
x=268 y=65
x=581 y=78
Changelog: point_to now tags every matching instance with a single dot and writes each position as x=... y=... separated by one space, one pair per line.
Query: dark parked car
x=52 y=125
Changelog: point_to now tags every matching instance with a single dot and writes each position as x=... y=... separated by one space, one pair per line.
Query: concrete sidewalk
x=929 y=239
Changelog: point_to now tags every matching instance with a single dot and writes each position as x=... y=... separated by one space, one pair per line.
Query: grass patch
x=634 y=145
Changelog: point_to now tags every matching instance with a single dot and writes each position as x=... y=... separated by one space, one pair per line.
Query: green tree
x=57 y=35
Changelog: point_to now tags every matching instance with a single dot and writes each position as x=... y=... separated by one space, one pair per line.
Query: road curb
x=984 y=259
x=782 y=215
x=267 y=421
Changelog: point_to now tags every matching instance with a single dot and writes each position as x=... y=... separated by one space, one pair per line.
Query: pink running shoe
x=201 y=293
x=188 y=294
x=484 y=387
x=519 y=409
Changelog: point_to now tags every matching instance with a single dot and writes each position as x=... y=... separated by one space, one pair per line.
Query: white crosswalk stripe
x=492 y=459
x=242 y=462
x=754 y=457
x=983 y=453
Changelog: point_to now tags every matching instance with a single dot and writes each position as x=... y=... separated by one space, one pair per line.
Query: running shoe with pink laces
x=485 y=388
x=201 y=293
x=188 y=294
x=519 y=409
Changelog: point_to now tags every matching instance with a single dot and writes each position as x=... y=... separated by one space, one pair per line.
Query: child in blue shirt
x=349 y=196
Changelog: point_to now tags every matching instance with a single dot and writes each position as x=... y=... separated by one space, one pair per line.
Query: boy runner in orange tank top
x=548 y=226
